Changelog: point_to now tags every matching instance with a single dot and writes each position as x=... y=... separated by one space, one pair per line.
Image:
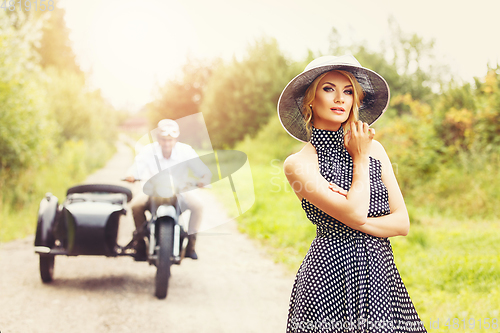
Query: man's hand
x=130 y=179
x=204 y=181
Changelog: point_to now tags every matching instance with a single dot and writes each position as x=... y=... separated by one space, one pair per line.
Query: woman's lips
x=338 y=110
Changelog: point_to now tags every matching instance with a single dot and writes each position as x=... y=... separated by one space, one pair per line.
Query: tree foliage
x=407 y=63
x=54 y=46
x=412 y=141
x=25 y=129
x=80 y=114
x=182 y=96
x=469 y=116
x=242 y=95
x=46 y=107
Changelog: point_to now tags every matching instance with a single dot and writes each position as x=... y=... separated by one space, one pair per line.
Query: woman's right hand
x=358 y=139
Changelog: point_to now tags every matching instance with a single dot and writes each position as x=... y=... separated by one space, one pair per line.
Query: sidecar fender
x=47 y=214
x=166 y=210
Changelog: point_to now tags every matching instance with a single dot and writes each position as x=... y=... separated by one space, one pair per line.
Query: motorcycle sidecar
x=86 y=223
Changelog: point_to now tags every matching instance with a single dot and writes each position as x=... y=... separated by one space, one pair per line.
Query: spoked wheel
x=165 y=236
x=47 y=267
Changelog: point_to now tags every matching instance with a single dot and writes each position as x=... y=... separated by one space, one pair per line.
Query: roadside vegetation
x=54 y=129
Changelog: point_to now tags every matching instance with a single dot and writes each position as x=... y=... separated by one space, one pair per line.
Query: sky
x=130 y=48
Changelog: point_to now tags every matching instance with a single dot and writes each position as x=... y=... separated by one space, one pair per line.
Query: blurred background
x=75 y=76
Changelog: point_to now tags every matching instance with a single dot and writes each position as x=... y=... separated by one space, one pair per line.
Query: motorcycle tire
x=165 y=235
x=47 y=267
x=105 y=188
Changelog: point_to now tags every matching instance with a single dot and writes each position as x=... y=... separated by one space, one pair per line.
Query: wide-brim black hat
x=372 y=107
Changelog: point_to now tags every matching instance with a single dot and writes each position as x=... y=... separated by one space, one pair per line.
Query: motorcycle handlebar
x=188 y=185
x=130 y=180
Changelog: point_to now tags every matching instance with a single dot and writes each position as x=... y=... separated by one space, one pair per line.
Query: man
x=164 y=154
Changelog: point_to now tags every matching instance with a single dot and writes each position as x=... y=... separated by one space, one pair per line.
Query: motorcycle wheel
x=165 y=233
x=47 y=267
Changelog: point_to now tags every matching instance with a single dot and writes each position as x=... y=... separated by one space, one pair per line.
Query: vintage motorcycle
x=86 y=223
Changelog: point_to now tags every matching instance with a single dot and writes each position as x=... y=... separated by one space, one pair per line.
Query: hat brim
x=290 y=102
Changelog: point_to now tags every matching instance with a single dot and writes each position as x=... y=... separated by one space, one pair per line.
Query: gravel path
x=233 y=287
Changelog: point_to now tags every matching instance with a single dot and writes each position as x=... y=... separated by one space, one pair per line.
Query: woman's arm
x=303 y=175
x=397 y=223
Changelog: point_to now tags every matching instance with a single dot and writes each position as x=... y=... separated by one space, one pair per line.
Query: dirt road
x=233 y=287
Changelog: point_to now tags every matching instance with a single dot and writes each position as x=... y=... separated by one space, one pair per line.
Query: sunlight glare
x=135 y=45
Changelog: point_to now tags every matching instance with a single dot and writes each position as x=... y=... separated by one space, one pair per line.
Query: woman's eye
x=348 y=92
x=328 y=88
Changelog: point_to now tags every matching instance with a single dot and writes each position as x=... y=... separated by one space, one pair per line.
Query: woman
x=348 y=281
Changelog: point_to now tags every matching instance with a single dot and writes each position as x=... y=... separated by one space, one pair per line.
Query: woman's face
x=333 y=101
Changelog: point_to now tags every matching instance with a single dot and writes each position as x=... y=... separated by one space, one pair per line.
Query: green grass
x=451 y=268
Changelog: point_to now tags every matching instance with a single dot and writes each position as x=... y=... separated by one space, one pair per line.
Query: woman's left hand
x=337 y=189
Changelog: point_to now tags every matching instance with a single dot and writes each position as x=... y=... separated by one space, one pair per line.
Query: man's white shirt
x=150 y=161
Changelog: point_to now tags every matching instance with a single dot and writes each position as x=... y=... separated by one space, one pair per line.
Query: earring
x=311 y=106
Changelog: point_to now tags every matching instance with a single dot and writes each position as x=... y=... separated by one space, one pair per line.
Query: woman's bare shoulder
x=306 y=155
x=301 y=169
x=377 y=151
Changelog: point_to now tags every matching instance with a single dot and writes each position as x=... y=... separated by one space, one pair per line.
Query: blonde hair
x=310 y=95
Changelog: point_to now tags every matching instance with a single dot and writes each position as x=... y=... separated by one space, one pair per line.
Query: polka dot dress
x=348 y=281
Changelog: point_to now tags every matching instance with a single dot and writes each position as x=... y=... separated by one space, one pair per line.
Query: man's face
x=167 y=143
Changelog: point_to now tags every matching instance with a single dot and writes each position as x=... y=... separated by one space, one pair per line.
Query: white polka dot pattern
x=348 y=281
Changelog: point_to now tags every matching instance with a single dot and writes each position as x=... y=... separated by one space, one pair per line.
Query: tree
x=468 y=116
x=408 y=64
x=454 y=115
x=488 y=109
x=25 y=130
x=81 y=114
x=242 y=95
x=55 y=48
x=182 y=96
